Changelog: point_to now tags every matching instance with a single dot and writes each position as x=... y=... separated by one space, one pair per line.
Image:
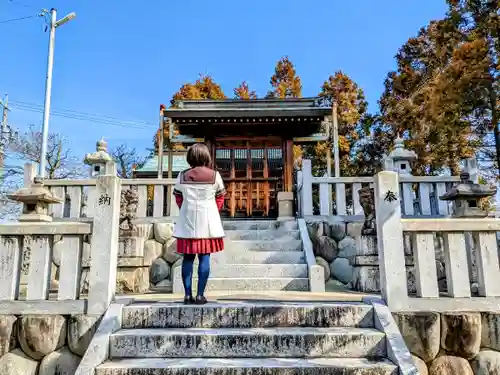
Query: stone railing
x=419 y=194
x=79 y=197
x=28 y=250
x=470 y=256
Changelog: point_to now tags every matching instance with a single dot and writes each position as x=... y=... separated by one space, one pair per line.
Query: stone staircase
x=248 y=338
x=262 y=255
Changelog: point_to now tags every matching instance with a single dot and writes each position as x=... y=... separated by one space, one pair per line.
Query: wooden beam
x=187 y=140
x=232 y=174
x=289 y=163
x=311 y=138
x=249 y=176
x=245 y=138
x=266 y=184
x=160 y=145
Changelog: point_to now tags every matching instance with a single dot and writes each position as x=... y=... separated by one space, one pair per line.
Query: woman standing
x=199 y=193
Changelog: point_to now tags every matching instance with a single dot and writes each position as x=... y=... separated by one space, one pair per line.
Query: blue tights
x=203 y=272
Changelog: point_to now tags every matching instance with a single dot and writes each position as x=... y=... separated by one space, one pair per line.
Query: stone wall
x=44 y=344
x=352 y=259
x=333 y=243
x=452 y=343
x=145 y=260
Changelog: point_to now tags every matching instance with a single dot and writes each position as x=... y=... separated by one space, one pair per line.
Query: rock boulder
x=40 y=335
x=450 y=365
x=17 y=362
x=420 y=331
x=347 y=247
x=160 y=270
x=326 y=248
x=7 y=333
x=421 y=366
x=342 y=270
x=487 y=362
x=337 y=230
x=60 y=362
x=81 y=329
x=163 y=232
x=490 y=327
x=152 y=250
x=461 y=333
x=169 y=251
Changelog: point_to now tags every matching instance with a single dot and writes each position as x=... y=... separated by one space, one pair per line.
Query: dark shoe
x=200 y=300
x=189 y=300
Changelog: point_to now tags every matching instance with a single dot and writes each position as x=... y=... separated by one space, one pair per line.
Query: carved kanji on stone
x=390 y=197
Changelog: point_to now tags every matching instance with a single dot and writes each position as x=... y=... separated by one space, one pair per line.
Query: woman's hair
x=198 y=155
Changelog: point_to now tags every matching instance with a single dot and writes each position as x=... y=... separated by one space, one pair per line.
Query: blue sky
x=123 y=61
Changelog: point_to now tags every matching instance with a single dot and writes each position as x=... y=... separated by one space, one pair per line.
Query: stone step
x=263 y=257
x=260 y=235
x=259 y=224
x=303 y=342
x=248 y=315
x=247 y=366
x=257 y=284
x=263 y=245
x=253 y=270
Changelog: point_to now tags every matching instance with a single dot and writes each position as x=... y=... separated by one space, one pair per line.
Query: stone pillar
x=366 y=273
x=100 y=163
x=393 y=283
x=104 y=245
x=307 y=199
x=285 y=205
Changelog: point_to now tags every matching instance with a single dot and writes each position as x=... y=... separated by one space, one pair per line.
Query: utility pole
x=3 y=135
x=48 y=85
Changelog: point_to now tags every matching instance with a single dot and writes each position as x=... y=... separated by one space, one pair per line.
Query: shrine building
x=251 y=142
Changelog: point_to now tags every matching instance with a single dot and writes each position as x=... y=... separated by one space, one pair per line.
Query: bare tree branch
x=127 y=160
x=60 y=163
x=26 y=147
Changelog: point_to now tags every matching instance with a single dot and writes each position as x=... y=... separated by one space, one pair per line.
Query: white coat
x=198 y=216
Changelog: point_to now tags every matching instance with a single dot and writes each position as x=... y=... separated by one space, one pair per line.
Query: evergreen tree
x=351 y=109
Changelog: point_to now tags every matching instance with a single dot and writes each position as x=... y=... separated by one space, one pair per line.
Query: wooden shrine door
x=253 y=173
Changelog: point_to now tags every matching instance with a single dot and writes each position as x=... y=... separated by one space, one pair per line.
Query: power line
x=88 y=117
x=79 y=113
x=18 y=19
x=16 y=2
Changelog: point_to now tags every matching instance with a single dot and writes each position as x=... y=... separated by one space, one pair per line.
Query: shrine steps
x=272 y=338
x=262 y=255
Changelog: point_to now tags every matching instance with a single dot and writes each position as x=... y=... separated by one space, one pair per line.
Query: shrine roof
x=293 y=107
x=179 y=164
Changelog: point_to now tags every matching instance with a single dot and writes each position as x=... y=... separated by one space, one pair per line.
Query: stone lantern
x=100 y=162
x=399 y=159
x=465 y=197
x=35 y=199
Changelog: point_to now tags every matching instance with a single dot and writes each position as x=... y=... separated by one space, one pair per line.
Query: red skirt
x=199 y=246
